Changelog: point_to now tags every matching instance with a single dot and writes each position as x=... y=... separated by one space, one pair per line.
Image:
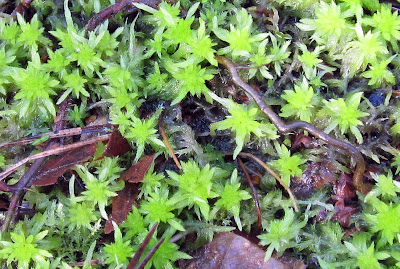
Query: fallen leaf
x=301 y=139
x=61 y=118
x=229 y=250
x=316 y=176
x=121 y=206
x=136 y=173
x=343 y=213
x=117 y=145
x=49 y=172
x=344 y=188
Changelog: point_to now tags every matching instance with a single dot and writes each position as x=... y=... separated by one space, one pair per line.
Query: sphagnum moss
x=169 y=52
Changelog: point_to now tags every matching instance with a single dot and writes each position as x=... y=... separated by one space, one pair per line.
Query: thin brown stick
x=116 y=8
x=150 y=254
x=59 y=134
x=238 y=67
x=272 y=172
x=19 y=193
x=142 y=247
x=253 y=192
x=26 y=180
x=50 y=152
x=164 y=136
x=291 y=127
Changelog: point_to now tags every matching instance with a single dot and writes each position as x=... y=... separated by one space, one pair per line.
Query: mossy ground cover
x=91 y=91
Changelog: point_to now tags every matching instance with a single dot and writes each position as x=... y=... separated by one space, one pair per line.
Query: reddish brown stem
x=166 y=142
x=50 y=152
x=27 y=179
x=58 y=134
x=272 y=172
x=291 y=127
x=112 y=10
x=253 y=192
x=142 y=247
x=150 y=254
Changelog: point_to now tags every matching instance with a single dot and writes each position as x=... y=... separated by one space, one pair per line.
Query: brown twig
x=253 y=192
x=150 y=254
x=116 y=8
x=272 y=172
x=142 y=247
x=59 y=134
x=291 y=127
x=165 y=138
x=50 y=152
x=18 y=194
x=27 y=178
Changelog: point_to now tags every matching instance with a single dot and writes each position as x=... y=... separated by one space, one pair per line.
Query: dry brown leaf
x=122 y=205
x=136 y=173
x=56 y=167
x=229 y=250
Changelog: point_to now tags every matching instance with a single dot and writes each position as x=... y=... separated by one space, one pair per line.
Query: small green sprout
x=231 y=196
x=23 y=250
x=330 y=25
x=385 y=220
x=117 y=253
x=240 y=37
x=366 y=256
x=387 y=24
x=191 y=79
x=368 y=49
x=119 y=77
x=379 y=74
x=77 y=114
x=31 y=33
x=134 y=225
x=36 y=86
x=9 y=31
x=385 y=187
x=288 y=165
x=345 y=114
x=150 y=182
x=75 y=84
x=167 y=15
x=122 y=98
x=143 y=132
x=156 y=80
x=81 y=215
x=157 y=208
x=166 y=254
x=181 y=32
x=260 y=59
x=57 y=62
x=279 y=53
x=195 y=187
x=310 y=60
x=301 y=102
x=202 y=45
x=243 y=122
x=281 y=234
x=99 y=189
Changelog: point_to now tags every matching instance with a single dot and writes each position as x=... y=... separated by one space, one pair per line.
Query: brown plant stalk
x=272 y=172
x=293 y=126
x=253 y=192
